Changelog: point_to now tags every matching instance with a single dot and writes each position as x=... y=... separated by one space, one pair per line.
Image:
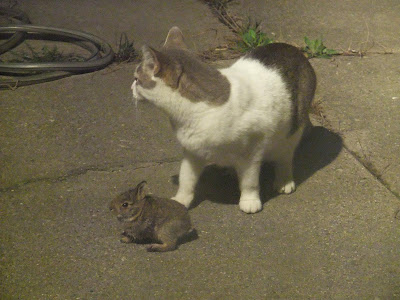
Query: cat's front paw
x=250 y=206
x=286 y=188
x=184 y=199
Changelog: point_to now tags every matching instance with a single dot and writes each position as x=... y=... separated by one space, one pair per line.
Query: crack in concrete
x=83 y=170
x=323 y=120
x=370 y=167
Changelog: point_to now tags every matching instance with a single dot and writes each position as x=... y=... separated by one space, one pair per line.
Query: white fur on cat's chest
x=214 y=148
x=226 y=133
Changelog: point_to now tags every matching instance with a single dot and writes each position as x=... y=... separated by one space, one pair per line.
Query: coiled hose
x=101 y=55
x=18 y=37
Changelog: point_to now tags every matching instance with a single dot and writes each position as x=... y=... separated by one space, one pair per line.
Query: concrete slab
x=347 y=25
x=77 y=124
x=145 y=22
x=68 y=147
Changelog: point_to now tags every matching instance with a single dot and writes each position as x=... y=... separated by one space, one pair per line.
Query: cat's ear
x=159 y=64
x=175 y=39
x=150 y=60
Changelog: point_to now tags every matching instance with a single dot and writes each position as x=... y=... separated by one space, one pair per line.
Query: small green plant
x=316 y=48
x=252 y=37
x=126 y=51
x=46 y=54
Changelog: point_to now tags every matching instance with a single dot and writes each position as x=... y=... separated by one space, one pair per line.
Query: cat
x=253 y=111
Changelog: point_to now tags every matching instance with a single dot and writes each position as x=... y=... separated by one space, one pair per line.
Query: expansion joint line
x=83 y=170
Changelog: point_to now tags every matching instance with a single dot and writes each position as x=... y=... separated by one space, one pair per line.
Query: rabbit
x=149 y=218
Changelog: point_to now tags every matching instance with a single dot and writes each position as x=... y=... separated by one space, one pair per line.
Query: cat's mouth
x=136 y=96
x=135 y=91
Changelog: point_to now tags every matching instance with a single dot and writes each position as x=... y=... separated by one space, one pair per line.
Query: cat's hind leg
x=284 y=183
x=283 y=162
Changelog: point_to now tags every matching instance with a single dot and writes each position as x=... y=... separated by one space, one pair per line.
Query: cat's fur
x=254 y=111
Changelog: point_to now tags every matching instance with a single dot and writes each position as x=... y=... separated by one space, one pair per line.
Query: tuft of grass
x=316 y=48
x=46 y=54
x=220 y=8
x=251 y=37
x=126 y=52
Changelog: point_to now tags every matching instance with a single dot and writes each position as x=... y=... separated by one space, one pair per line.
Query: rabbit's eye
x=125 y=204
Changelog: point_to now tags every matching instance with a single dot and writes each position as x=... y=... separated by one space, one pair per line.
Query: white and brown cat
x=256 y=110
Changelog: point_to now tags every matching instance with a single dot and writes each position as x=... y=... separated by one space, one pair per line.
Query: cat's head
x=175 y=73
x=158 y=70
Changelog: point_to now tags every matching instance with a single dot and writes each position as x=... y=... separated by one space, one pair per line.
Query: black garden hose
x=101 y=55
x=18 y=37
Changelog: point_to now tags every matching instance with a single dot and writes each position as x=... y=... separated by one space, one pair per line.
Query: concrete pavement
x=67 y=147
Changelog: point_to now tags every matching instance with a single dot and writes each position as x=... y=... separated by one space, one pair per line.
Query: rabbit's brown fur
x=145 y=217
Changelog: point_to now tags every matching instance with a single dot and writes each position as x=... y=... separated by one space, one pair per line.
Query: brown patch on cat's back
x=296 y=72
x=197 y=81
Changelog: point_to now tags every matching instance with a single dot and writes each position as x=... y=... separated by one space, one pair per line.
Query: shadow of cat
x=318 y=149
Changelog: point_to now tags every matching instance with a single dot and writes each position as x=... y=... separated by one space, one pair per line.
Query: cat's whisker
x=135 y=101
x=135 y=96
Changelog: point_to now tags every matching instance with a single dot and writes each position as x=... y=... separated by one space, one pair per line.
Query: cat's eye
x=125 y=204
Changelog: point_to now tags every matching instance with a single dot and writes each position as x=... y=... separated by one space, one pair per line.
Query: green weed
x=316 y=48
x=126 y=52
x=251 y=37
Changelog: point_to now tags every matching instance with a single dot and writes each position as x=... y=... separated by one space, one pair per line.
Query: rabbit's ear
x=141 y=190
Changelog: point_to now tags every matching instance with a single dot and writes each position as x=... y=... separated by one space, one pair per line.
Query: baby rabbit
x=145 y=217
